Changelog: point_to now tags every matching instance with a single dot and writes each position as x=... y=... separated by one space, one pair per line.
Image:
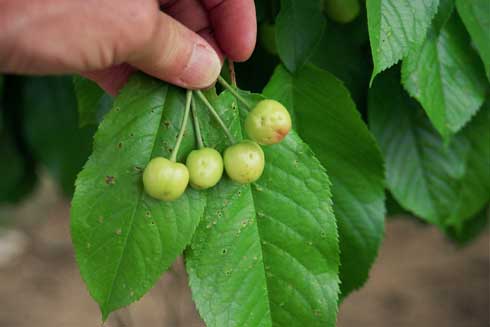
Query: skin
x=268 y=123
x=106 y=40
x=244 y=162
x=164 y=179
x=205 y=168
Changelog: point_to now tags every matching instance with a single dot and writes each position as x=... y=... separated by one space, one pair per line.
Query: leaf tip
x=104 y=312
x=373 y=76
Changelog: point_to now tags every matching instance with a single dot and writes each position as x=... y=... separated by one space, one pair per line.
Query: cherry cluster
x=267 y=123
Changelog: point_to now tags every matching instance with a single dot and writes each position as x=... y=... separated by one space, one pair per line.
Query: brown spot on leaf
x=110 y=180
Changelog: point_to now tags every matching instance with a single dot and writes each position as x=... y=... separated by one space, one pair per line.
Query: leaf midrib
x=236 y=107
x=440 y=84
x=262 y=255
x=133 y=214
x=420 y=159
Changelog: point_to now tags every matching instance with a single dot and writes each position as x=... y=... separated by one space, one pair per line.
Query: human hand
x=106 y=40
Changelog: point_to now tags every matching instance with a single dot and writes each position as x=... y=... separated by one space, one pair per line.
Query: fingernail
x=203 y=67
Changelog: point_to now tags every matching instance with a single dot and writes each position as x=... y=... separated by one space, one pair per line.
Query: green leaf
x=471 y=229
x=444 y=13
x=93 y=102
x=445 y=76
x=327 y=119
x=476 y=17
x=393 y=208
x=17 y=167
x=396 y=27
x=341 y=52
x=124 y=239
x=267 y=254
x=51 y=128
x=16 y=171
x=299 y=28
x=443 y=184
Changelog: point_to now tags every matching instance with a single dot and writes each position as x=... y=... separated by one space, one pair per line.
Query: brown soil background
x=420 y=279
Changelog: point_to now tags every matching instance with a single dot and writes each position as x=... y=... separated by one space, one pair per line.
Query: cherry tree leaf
x=51 y=128
x=396 y=27
x=266 y=254
x=93 y=102
x=326 y=117
x=446 y=77
x=471 y=228
x=445 y=184
x=476 y=17
x=299 y=28
x=124 y=239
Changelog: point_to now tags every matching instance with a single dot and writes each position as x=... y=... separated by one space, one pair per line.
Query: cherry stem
x=231 y=69
x=197 y=128
x=183 y=126
x=234 y=92
x=216 y=116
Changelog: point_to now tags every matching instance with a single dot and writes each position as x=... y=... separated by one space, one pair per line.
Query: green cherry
x=205 y=168
x=268 y=122
x=244 y=162
x=164 y=179
x=342 y=11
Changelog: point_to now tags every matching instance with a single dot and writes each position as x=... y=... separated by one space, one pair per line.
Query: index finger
x=234 y=25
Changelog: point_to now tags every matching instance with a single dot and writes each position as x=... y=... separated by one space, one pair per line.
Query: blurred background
x=420 y=278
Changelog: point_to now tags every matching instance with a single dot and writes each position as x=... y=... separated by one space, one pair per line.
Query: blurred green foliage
x=39 y=130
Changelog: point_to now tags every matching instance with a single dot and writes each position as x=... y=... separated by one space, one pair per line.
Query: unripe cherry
x=164 y=179
x=244 y=162
x=205 y=168
x=342 y=11
x=268 y=122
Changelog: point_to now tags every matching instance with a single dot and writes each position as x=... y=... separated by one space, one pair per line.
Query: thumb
x=177 y=55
